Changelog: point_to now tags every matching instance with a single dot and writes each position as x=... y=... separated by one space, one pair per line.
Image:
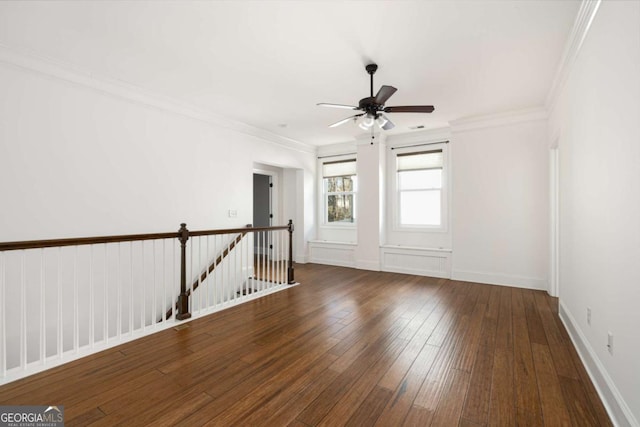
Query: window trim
x=444 y=191
x=324 y=196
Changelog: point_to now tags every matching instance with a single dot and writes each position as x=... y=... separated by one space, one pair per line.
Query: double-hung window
x=420 y=189
x=339 y=189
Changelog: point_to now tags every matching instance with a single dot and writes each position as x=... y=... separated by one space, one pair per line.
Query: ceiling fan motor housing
x=369 y=106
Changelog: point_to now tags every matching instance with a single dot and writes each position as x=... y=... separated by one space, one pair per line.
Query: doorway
x=262 y=209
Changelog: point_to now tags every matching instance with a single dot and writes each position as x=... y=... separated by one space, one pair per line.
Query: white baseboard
x=368 y=265
x=301 y=259
x=617 y=408
x=329 y=261
x=500 y=279
x=415 y=272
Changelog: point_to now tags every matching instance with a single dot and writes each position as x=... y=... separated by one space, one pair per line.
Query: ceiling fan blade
x=345 y=107
x=388 y=125
x=384 y=93
x=343 y=121
x=410 y=109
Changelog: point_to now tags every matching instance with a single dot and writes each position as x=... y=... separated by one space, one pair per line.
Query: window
x=339 y=188
x=420 y=189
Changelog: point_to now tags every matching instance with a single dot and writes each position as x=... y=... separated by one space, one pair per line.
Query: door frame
x=274 y=197
x=554 y=220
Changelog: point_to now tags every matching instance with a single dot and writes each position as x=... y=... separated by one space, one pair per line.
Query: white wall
x=371 y=172
x=497 y=227
x=500 y=204
x=597 y=118
x=76 y=161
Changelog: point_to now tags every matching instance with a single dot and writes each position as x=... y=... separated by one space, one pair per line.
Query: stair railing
x=61 y=299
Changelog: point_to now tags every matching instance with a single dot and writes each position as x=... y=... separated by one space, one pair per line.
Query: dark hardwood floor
x=346 y=347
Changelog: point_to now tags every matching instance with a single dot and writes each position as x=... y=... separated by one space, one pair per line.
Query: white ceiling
x=267 y=63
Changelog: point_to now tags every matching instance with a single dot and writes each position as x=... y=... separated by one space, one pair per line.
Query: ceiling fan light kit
x=373 y=107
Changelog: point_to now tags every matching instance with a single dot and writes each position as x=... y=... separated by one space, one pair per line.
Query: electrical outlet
x=610 y=342
x=233 y=213
x=589 y=316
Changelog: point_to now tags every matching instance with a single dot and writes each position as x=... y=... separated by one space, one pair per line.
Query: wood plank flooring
x=346 y=347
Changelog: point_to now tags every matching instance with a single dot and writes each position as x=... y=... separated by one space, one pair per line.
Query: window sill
x=350 y=226
x=332 y=242
x=416 y=248
x=420 y=229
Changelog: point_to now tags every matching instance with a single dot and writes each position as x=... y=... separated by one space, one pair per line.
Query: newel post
x=183 y=298
x=290 y=278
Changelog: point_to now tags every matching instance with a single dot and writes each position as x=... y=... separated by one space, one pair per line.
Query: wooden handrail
x=80 y=241
x=236 y=230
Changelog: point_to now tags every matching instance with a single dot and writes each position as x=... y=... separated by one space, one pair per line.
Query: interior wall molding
x=498 y=119
x=427 y=135
x=429 y=262
x=500 y=279
x=137 y=95
x=617 y=408
x=341 y=254
x=581 y=26
x=444 y=133
x=338 y=149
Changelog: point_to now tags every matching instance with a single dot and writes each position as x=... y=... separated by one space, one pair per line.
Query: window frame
x=444 y=189
x=324 y=195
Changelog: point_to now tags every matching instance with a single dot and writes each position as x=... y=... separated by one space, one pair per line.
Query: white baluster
x=190 y=275
x=173 y=278
x=105 y=298
x=143 y=302
x=200 y=271
x=59 y=332
x=119 y=292
x=164 y=280
x=43 y=320
x=131 y=289
x=23 y=313
x=76 y=305
x=208 y=274
x=3 y=320
x=234 y=290
x=215 y=274
x=91 y=308
x=154 y=311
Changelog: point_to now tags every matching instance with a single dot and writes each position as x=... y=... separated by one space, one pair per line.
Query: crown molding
x=339 y=149
x=137 y=95
x=427 y=135
x=499 y=119
x=446 y=132
x=581 y=26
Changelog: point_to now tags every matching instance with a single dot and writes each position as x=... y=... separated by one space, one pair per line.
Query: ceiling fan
x=373 y=108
